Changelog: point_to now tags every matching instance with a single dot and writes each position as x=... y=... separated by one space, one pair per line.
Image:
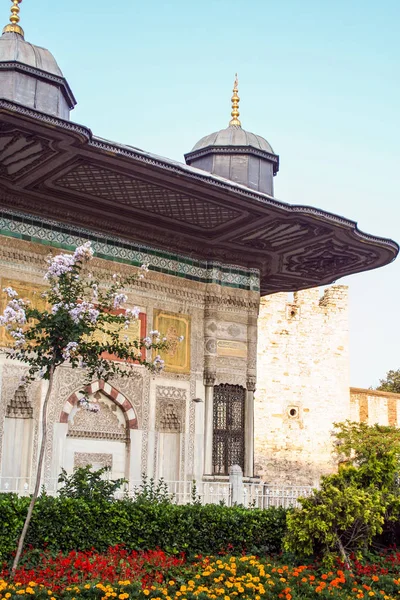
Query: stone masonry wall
x=373 y=406
x=302 y=383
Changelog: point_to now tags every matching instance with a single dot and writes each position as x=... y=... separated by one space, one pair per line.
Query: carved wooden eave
x=58 y=169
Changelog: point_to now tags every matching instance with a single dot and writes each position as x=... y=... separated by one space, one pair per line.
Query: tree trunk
x=38 y=475
x=343 y=554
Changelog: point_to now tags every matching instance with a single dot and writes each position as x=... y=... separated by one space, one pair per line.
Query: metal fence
x=252 y=495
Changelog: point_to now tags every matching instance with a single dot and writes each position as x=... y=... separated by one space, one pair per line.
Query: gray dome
x=233 y=136
x=31 y=77
x=13 y=47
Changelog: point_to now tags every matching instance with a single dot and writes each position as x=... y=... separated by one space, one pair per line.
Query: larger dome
x=233 y=135
x=14 y=48
x=237 y=154
x=30 y=75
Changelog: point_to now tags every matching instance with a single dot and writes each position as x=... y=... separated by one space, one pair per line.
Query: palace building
x=215 y=239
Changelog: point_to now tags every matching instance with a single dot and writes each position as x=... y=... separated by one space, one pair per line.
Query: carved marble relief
x=68 y=381
x=170 y=409
x=96 y=459
x=101 y=425
x=171 y=418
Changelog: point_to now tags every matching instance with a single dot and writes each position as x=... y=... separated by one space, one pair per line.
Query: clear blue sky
x=319 y=80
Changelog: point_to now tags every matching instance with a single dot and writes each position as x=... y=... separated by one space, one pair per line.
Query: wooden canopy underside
x=58 y=169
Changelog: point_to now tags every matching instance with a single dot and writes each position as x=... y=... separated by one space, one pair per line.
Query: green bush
x=356 y=505
x=60 y=523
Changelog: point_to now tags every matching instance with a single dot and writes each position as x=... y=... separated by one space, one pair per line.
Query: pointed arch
x=108 y=390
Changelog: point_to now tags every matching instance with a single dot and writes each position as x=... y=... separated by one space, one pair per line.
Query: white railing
x=251 y=495
x=185 y=492
x=262 y=495
x=25 y=486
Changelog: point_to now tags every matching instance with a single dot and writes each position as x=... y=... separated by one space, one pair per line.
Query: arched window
x=228 y=427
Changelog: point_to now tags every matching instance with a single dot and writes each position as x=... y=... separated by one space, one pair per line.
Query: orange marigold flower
x=324 y=576
x=375 y=578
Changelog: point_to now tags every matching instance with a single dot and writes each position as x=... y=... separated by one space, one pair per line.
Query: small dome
x=233 y=136
x=14 y=48
x=31 y=77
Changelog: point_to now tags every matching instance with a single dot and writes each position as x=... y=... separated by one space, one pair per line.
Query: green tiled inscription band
x=58 y=235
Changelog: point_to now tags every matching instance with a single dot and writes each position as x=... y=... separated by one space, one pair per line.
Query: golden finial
x=13 y=26
x=235 y=105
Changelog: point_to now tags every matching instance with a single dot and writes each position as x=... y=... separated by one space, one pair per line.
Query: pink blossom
x=84 y=310
x=83 y=253
x=119 y=300
x=10 y=292
x=70 y=350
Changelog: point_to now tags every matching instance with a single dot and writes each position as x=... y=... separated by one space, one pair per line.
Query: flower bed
x=122 y=574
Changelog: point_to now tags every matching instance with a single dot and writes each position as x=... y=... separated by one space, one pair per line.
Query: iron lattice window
x=228 y=422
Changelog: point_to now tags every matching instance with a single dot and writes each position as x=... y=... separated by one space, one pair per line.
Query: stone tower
x=302 y=383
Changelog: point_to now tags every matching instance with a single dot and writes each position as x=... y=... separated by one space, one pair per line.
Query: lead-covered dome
x=233 y=136
x=30 y=75
x=13 y=47
x=236 y=154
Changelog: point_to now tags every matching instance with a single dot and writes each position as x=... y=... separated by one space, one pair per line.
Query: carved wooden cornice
x=58 y=169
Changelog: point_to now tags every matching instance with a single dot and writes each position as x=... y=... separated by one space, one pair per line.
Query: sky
x=319 y=80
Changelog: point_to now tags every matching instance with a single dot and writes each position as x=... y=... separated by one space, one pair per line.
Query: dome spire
x=13 y=26
x=235 y=105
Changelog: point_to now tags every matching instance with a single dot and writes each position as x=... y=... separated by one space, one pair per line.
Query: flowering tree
x=78 y=307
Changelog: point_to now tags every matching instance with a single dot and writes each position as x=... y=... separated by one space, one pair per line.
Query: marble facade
x=161 y=425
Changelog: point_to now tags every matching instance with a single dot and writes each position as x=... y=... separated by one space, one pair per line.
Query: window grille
x=228 y=423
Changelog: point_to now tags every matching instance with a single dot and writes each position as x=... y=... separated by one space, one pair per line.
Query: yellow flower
x=171 y=582
x=146 y=592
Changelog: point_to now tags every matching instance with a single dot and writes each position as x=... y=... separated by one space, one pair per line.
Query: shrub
x=355 y=505
x=65 y=524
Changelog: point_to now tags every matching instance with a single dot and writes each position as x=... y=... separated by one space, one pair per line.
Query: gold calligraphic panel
x=173 y=326
x=26 y=291
x=132 y=332
x=231 y=348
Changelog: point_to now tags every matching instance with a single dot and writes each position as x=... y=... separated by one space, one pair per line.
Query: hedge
x=74 y=524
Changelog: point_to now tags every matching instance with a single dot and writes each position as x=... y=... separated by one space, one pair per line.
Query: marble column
x=251 y=386
x=209 y=380
x=210 y=360
x=249 y=429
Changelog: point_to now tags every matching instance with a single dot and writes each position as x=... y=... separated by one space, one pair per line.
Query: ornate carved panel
x=101 y=425
x=170 y=409
x=95 y=459
x=279 y=233
x=328 y=258
x=20 y=151
x=104 y=183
